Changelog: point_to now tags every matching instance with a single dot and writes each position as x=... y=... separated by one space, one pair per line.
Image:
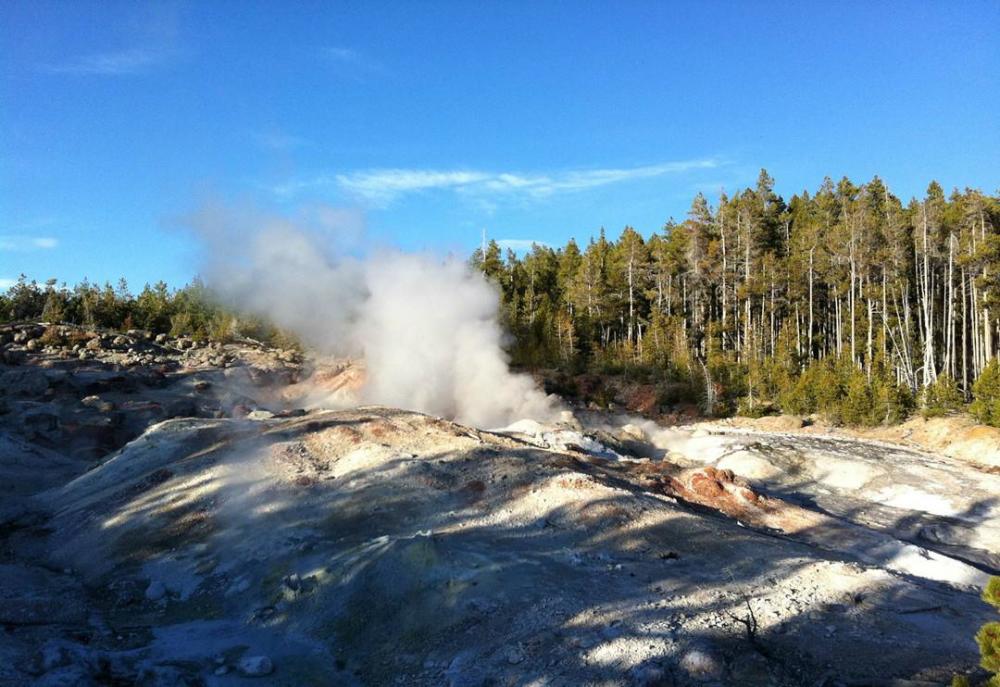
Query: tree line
x=191 y=311
x=845 y=301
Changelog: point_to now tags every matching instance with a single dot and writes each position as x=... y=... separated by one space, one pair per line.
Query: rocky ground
x=180 y=514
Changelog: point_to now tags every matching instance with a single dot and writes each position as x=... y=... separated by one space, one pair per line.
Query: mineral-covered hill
x=180 y=514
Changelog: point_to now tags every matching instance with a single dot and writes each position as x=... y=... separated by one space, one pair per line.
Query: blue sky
x=429 y=121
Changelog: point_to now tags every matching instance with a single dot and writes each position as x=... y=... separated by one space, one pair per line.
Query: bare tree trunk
x=871 y=354
x=930 y=373
x=631 y=300
x=811 y=300
x=965 y=337
x=850 y=298
x=725 y=268
x=773 y=335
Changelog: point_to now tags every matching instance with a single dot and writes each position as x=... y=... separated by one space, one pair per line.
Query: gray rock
x=68 y=676
x=13 y=356
x=703 y=662
x=514 y=655
x=32 y=595
x=166 y=676
x=24 y=382
x=41 y=423
x=463 y=671
x=255 y=666
x=55 y=656
x=98 y=404
x=650 y=675
x=156 y=591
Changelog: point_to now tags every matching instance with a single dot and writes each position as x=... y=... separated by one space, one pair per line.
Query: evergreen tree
x=986 y=392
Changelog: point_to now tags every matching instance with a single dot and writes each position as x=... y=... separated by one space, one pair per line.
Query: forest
x=844 y=303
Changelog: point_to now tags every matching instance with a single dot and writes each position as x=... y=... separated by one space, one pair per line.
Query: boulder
x=41 y=424
x=255 y=666
x=97 y=403
x=28 y=382
x=13 y=356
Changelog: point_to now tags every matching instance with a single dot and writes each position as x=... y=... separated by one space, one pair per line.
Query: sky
x=425 y=123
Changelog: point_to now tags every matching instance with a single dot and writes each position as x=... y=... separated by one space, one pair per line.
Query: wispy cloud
x=6 y=283
x=20 y=244
x=382 y=186
x=349 y=62
x=120 y=63
x=277 y=140
x=340 y=54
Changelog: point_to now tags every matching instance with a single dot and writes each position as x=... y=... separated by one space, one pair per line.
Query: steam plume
x=426 y=326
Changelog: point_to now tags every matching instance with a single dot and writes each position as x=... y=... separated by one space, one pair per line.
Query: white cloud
x=16 y=243
x=6 y=283
x=123 y=62
x=382 y=186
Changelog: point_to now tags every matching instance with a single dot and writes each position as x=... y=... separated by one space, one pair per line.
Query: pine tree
x=858 y=406
x=988 y=636
x=941 y=397
x=986 y=392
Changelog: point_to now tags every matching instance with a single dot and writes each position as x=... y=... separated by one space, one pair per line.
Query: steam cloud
x=426 y=326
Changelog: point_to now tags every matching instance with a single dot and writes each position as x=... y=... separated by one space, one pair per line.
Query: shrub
x=798 y=397
x=986 y=393
x=52 y=336
x=858 y=406
x=181 y=325
x=941 y=397
x=988 y=636
x=893 y=402
x=748 y=407
x=828 y=388
x=221 y=328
